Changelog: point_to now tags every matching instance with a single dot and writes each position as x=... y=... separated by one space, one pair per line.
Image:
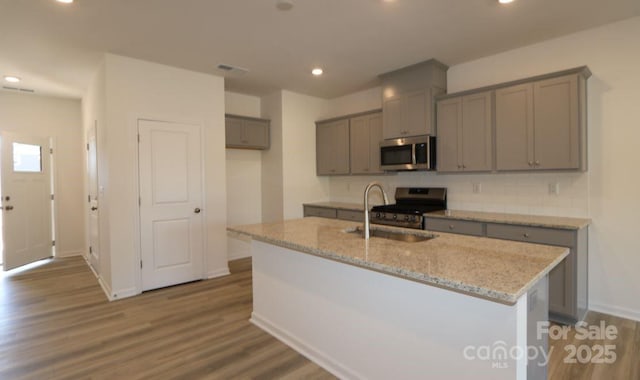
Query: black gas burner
x=411 y=204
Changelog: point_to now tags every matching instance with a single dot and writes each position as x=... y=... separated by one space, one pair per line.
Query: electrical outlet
x=477 y=188
x=554 y=188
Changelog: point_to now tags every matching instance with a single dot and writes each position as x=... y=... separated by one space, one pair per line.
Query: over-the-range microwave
x=411 y=153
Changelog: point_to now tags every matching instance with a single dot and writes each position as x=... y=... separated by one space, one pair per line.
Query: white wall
x=59 y=118
x=244 y=178
x=272 y=175
x=300 y=183
x=361 y=101
x=608 y=192
x=137 y=89
x=94 y=113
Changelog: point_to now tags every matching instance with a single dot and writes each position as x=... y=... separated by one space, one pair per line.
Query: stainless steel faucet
x=367 y=224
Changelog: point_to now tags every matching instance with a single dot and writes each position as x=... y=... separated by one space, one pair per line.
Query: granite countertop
x=338 y=205
x=498 y=270
x=525 y=220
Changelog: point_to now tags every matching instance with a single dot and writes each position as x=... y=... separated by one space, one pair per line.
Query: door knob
x=8 y=208
x=197 y=210
x=94 y=208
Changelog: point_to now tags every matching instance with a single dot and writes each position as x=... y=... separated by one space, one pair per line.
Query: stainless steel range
x=411 y=203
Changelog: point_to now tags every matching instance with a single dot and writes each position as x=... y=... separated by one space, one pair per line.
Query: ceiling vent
x=18 y=89
x=232 y=70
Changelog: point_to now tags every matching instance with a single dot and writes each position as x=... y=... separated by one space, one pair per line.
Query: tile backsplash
x=559 y=194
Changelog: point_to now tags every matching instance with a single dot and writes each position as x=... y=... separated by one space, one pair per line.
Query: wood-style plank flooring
x=56 y=323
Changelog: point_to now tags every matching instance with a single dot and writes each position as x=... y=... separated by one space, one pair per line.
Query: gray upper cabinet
x=514 y=128
x=541 y=125
x=407 y=99
x=556 y=123
x=409 y=114
x=465 y=138
x=332 y=147
x=365 y=136
x=246 y=133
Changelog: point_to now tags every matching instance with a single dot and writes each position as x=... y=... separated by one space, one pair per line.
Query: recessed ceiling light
x=284 y=5
x=317 y=71
x=65 y=1
x=11 y=79
x=505 y=1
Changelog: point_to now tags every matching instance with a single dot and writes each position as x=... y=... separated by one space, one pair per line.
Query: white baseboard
x=238 y=255
x=105 y=287
x=218 y=273
x=124 y=293
x=615 y=311
x=330 y=364
x=69 y=253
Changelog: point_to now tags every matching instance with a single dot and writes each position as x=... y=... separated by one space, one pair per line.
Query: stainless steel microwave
x=411 y=153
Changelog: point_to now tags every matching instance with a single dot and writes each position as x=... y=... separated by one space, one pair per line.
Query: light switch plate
x=477 y=188
x=554 y=188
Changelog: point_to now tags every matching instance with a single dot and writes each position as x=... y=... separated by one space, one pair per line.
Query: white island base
x=360 y=324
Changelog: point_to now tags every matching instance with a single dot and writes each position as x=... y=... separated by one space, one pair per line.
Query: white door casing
x=93 y=199
x=26 y=200
x=171 y=222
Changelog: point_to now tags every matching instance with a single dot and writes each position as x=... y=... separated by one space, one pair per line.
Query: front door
x=92 y=177
x=26 y=200
x=171 y=223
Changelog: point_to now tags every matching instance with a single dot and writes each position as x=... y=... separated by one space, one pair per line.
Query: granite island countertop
x=493 y=269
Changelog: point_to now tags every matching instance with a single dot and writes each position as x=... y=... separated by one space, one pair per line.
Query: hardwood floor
x=56 y=323
x=626 y=348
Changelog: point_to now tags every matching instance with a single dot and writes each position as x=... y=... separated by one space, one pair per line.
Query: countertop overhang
x=497 y=270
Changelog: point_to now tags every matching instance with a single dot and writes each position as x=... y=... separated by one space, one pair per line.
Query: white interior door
x=92 y=175
x=171 y=228
x=26 y=200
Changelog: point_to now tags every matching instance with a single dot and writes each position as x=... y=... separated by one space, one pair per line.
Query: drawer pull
x=450 y=226
x=526 y=235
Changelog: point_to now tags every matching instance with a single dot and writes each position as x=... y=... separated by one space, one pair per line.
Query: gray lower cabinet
x=454 y=226
x=333 y=213
x=465 y=133
x=541 y=125
x=332 y=147
x=365 y=135
x=246 y=133
x=352 y=215
x=568 y=297
x=322 y=212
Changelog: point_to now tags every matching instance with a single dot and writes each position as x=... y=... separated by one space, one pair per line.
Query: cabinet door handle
x=537 y=163
x=530 y=163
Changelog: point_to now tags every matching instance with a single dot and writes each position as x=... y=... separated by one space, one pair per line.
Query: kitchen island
x=390 y=309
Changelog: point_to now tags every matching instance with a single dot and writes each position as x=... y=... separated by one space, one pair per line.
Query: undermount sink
x=384 y=234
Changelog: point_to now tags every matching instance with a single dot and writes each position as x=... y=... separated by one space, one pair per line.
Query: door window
x=27 y=158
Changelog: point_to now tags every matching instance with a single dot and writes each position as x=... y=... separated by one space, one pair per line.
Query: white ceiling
x=56 y=48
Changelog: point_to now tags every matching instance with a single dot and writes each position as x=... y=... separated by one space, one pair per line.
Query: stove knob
x=407 y=218
x=395 y=216
x=377 y=215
